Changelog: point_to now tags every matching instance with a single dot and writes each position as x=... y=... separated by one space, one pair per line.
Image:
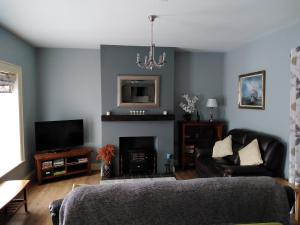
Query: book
x=46 y=164
x=56 y=173
x=82 y=160
x=189 y=151
x=58 y=162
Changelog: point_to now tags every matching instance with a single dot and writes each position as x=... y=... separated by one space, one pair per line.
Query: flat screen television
x=58 y=135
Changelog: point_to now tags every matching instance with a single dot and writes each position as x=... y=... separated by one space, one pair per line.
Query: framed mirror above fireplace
x=137 y=91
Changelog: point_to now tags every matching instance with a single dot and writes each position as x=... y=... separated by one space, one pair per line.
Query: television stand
x=51 y=165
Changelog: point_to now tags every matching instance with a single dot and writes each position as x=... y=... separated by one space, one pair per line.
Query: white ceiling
x=207 y=25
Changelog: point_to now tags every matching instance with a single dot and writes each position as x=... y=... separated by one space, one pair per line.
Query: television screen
x=58 y=135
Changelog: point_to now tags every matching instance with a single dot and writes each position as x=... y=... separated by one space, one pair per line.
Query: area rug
x=139 y=180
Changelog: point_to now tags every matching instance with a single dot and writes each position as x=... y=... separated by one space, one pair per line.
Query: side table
x=296 y=189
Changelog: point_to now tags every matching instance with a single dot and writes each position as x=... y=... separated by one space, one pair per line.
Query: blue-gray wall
x=270 y=53
x=117 y=60
x=69 y=87
x=199 y=74
x=14 y=50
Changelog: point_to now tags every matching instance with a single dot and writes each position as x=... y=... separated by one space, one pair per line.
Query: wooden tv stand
x=59 y=164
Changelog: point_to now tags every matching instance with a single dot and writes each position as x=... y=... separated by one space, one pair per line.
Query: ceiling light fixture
x=150 y=62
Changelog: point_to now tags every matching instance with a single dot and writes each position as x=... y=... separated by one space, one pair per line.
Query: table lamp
x=211 y=103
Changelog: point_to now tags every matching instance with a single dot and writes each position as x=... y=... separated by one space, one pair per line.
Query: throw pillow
x=250 y=154
x=222 y=148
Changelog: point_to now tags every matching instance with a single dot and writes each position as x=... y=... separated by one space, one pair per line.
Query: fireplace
x=137 y=156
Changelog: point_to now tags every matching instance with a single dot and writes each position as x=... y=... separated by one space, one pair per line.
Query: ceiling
x=201 y=25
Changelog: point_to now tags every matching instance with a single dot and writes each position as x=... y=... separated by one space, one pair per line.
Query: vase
x=187 y=116
x=106 y=170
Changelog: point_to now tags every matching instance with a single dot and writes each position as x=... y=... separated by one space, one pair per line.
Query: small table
x=296 y=189
x=9 y=192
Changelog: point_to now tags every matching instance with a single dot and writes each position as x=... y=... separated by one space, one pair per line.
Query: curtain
x=294 y=140
x=7 y=82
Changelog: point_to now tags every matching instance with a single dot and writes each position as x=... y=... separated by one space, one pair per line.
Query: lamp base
x=211 y=119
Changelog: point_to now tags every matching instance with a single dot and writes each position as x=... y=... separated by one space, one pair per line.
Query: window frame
x=8 y=67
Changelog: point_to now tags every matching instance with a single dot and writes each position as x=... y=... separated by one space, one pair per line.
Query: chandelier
x=150 y=62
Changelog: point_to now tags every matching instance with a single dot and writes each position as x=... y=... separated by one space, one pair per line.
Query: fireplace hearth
x=137 y=156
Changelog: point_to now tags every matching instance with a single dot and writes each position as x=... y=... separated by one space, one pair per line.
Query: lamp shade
x=212 y=103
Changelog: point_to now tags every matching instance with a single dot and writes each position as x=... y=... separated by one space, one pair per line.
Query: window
x=11 y=117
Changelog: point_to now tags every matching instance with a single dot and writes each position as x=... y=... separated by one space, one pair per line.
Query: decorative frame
x=154 y=104
x=252 y=88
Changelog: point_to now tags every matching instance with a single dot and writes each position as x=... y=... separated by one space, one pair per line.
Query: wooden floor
x=39 y=197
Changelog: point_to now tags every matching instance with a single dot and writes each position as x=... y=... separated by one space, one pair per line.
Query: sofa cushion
x=208 y=167
x=222 y=148
x=233 y=159
x=232 y=171
x=250 y=155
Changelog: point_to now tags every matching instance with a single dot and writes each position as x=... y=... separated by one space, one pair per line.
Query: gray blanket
x=190 y=202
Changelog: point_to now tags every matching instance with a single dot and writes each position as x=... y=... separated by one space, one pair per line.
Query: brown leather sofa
x=272 y=152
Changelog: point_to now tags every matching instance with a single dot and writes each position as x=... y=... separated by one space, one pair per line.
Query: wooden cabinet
x=193 y=135
x=57 y=164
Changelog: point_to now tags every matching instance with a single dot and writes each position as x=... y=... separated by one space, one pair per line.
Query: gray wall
x=69 y=88
x=270 y=53
x=117 y=60
x=16 y=51
x=199 y=74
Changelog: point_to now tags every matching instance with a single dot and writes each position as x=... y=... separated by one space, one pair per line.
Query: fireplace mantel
x=148 y=117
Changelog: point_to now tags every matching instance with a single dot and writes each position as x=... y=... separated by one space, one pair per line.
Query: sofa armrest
x=246 y=171
x=54 y=208
x=203 y=152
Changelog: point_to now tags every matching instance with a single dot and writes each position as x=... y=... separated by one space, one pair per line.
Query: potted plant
x=106 y=155
x=189 y=107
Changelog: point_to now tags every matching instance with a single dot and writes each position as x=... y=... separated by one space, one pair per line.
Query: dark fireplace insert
x=137 y=156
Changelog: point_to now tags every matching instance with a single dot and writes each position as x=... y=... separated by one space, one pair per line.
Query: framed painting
x=252 y=90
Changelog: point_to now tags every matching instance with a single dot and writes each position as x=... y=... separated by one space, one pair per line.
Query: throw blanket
x=183 y=202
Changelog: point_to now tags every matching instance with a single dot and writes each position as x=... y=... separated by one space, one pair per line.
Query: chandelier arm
x=140 y=65
x=150 y=62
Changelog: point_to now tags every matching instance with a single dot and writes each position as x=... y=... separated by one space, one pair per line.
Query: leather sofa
x=271 y=149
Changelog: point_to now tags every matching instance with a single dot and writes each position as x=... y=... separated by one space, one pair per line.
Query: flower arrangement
x=106 y=153
x=191 y=103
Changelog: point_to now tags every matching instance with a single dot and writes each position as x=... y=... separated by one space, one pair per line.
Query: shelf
x=76 y=163
x=150 y=117
x=52 y=168
x=65 y=174
x=77 y=171
x=200 y=134
x=70 y=166
x=47 y=169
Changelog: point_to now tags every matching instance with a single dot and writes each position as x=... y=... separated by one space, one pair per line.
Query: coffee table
x=9 y=195
x=296 y=189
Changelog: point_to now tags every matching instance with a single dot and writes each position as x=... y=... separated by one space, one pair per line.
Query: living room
x=74 y=55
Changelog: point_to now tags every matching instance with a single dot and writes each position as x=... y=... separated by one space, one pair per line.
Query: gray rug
x=136 y=180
